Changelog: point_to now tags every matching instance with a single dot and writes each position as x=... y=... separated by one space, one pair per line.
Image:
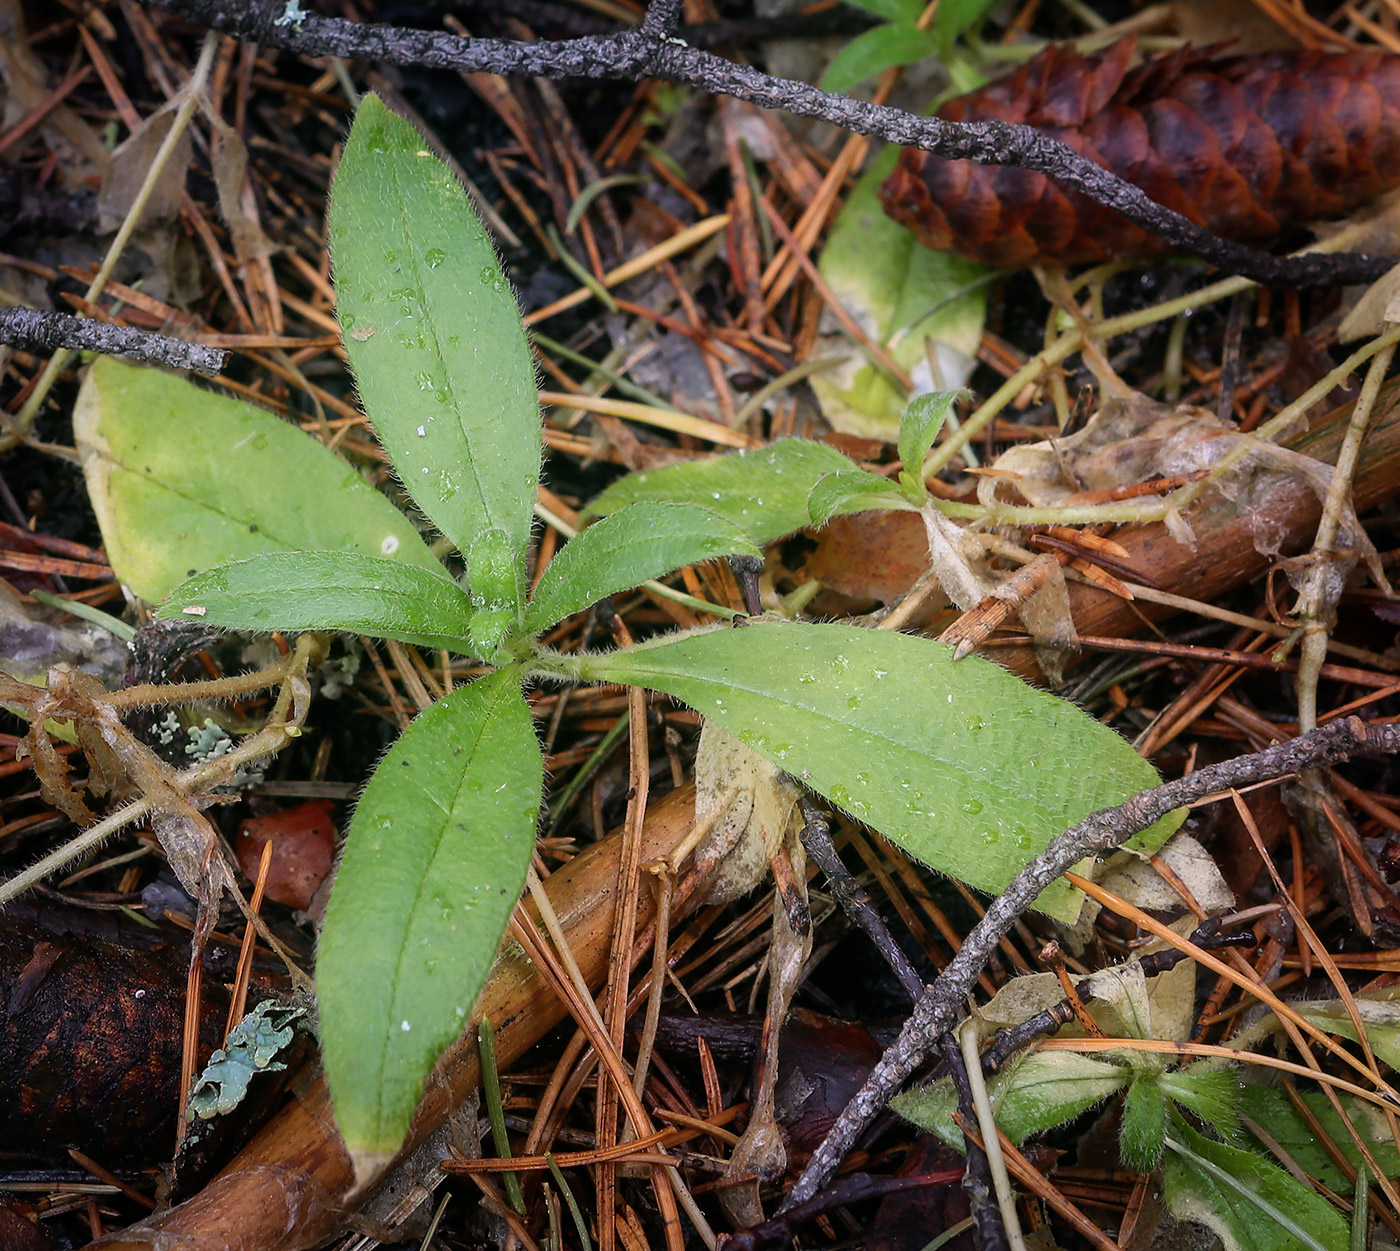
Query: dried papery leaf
x=31 y=643
x=74 y=697
x=760 y=1154
x=1376 y=310
x=748 y=806
x=127 y=170
x=1133 y=439
x=953 y=563
x=1136 y=880
x=1247 y=146
x=228 y=156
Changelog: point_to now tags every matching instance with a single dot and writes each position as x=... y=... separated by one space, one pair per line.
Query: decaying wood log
x=287 y=1190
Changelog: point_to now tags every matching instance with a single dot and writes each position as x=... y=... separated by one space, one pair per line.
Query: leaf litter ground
x=677 y=368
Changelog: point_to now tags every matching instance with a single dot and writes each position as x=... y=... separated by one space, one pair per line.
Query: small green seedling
x=900 y=40
x=1188 y=1121
x=962 y=765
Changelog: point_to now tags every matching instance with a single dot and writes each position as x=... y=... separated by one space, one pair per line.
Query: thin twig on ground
x=1100 y=832
x=36 y=331
x=651 y=50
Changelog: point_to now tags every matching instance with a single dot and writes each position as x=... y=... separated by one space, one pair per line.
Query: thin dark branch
x=858 y=1188
x=35 y=331
x=1007 y=1042
x=853 y=899
x=649 y=50
x=945 y=1001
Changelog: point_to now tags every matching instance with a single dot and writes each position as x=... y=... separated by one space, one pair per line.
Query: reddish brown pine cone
x=1247 y=146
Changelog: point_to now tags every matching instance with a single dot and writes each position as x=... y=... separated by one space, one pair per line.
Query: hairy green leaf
x=1275 y=1114
x=433 y=333
x=496 y=576
x=1144 y=1124
x=919 y=427
x=328 y=591
x=1249 y=1201
x=1212 y=1094
x=961 y=764
x=434 y=862
x=1035 y=1092
x=183 y=478
x=640 y=542
x=764 y=491
x=1380 y=1017
x=851 y=491
x=875 y=50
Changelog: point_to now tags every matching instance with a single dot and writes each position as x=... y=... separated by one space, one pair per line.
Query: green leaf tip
x=923 y=419
x=434 y=862
x=433 y=333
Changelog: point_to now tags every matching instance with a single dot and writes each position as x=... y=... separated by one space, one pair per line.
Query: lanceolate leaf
x=1144 y=1124
x=1249 y=1201
x=852 y=491
x=1212 y=1094
x=183 y=478
x=434 y=862
x=874 y=51
x=961 y=764
x=764 y=492
x=640 y=542
x=919 y=427
x=1034 y=1093
x=328 y=591
x=1275 y=1115
x=433 y=333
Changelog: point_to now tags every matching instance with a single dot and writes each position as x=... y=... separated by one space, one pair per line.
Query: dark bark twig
x=651 y=50
x=853 y=899
x=1007 y=1042
x=36 y=331
x=944 y=1002
x=858 y=1188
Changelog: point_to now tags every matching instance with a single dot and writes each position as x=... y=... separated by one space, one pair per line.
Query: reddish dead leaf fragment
x=303 y=850
x=1247 y=146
